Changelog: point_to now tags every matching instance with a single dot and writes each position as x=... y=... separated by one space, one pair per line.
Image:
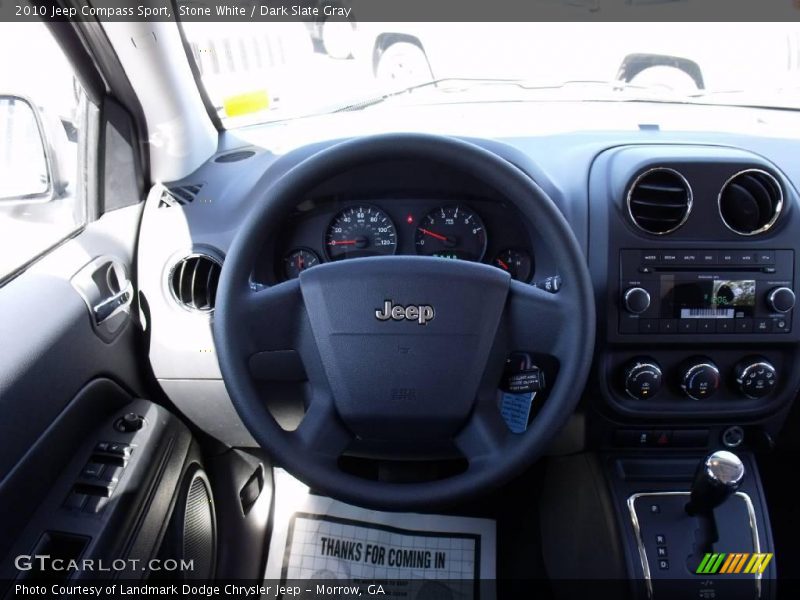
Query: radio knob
x=636 y=300
x=781 y=299
x=642 y=378
x=756 y=377
x=700 y=379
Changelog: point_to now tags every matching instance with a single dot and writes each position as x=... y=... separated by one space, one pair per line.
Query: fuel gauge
x=299 y=260
x=518 y=263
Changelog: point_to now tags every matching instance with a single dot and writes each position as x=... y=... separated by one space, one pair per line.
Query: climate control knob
x=642 y=378
x=636 y=300
x=781 y=299
x=756 y=377
x=700 y=378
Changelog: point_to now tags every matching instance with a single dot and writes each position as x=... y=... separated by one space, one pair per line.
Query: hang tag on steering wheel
x=516 y=409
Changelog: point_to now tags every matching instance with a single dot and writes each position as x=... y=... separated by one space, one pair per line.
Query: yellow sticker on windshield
x=245 y=104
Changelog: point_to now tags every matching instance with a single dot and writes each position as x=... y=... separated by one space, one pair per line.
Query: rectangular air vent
x=179 y=195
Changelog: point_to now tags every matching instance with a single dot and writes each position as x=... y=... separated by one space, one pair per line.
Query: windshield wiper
x=447 y=84
x=372 y=100
x=455 y=84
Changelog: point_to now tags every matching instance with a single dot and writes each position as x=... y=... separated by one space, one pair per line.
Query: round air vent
x=659 y=200
x=750 y=202
x=193 y=282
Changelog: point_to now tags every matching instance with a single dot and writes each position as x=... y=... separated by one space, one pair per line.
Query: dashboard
x=691 y=240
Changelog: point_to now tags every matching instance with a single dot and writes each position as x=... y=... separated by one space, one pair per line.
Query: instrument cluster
x=476 y=230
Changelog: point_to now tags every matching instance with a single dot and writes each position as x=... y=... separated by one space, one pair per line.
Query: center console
x=694 y=256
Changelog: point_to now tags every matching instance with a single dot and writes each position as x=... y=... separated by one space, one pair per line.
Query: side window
x=41 y=107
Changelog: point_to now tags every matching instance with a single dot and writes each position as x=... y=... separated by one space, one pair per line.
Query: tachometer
x=452 y=232
x=360 y=231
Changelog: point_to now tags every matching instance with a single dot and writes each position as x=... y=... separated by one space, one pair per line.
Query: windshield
x=258 y=72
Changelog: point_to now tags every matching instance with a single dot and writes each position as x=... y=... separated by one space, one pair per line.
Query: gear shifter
x=717 y=479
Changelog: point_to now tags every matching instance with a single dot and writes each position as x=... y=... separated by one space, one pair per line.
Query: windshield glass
x=258 y=72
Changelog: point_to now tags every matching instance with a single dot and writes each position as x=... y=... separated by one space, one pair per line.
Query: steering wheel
x=426 y=376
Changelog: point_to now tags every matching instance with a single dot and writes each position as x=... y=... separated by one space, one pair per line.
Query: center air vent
x=193 y=282
x=750 y=202
x=659 y=200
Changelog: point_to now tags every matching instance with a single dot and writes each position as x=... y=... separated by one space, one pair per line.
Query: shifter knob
x=717 y=478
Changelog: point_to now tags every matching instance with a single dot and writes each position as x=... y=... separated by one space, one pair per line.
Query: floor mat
x=410 y=555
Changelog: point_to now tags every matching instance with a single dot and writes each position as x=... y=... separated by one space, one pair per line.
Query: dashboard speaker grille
x=235 y=156
x=750 y=202
x=193 y=282
x=659 y=200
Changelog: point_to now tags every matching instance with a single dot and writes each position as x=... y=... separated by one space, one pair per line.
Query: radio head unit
x=706 y=291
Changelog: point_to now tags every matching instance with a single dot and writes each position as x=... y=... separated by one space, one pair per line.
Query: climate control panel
x=698 y=378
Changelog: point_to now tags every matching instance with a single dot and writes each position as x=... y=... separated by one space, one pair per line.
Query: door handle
x=114 y=304
x=108 y=292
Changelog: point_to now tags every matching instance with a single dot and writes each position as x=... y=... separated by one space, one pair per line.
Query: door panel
x=50 y=349
x=31 y=479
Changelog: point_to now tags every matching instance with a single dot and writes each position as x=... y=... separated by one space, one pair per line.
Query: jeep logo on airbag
x=397 y=312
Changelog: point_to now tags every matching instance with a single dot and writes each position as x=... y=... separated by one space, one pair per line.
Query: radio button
x=669 y=258
x=649 y=258
x=708 y=257
x=781 y=325
x=743 y=258
x=762 y=325
x=688 y=258
x=707 y=326
x=724 y=325
x=765 y=257
x=648 y=325
x=743 y=325
x=687 y=326
x=668 y=326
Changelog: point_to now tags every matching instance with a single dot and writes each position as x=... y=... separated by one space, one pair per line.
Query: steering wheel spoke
x=536 y=319
x=271 y=318
x=322 y=431
x=485 y=434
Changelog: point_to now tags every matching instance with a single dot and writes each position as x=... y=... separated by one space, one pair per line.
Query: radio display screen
x=707 y=298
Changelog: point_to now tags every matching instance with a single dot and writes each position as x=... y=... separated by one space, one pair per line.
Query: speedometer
x=452 y=232
x=361 y=230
